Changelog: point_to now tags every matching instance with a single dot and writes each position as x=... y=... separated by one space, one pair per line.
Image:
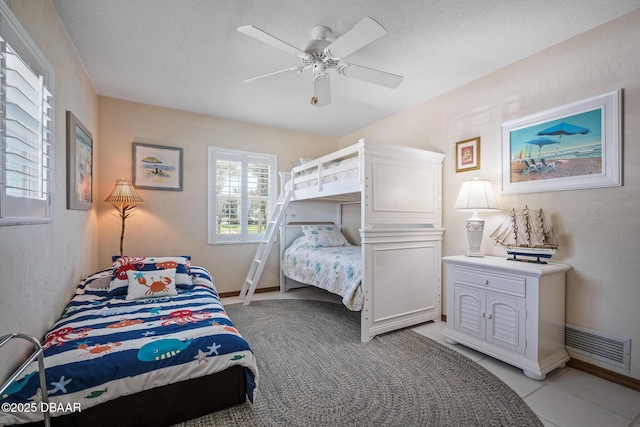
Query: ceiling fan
x=321 y=55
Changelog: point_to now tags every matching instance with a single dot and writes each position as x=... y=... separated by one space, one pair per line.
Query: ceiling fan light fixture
x=321 y=55
x=319 y=70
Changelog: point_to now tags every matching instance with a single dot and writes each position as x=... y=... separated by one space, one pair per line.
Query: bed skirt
x=163 y=406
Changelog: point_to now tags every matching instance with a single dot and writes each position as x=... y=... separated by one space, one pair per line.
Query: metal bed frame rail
x=37 y=354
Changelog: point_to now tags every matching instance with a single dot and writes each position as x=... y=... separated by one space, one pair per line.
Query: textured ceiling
x=187 y=54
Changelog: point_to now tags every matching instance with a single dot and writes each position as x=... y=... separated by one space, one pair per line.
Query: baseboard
x=606 y=374
x=257 y=291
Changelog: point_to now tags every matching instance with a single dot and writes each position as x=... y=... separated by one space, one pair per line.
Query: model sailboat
x=526 y=233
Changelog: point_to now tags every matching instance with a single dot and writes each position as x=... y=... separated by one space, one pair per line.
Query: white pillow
x=120 y=280
x=321 y=236
x=149 y=284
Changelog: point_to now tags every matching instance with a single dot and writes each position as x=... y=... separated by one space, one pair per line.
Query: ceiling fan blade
x=276 y=75
x=321 y=91
x=364 y=32
x=370 y=75
x=267 y=38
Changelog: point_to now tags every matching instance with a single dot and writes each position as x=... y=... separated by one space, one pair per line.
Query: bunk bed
x=399 y=192
x=146 y=342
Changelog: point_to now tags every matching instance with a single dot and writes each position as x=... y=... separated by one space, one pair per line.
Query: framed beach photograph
x=157 y=167
x=468 y=155
x=571 y=147
x=79 y=165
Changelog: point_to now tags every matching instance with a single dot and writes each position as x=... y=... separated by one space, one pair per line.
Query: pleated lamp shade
x=123 y=192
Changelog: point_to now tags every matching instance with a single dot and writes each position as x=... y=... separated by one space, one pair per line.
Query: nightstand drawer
x=486 y=279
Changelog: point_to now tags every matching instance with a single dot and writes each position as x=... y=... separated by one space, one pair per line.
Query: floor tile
x=546 y=423
x=613 y=397
x=512 y=376
x=566 y=410
x=431 y=330
x=472 y=354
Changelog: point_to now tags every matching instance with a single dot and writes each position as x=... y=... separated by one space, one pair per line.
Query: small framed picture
x=79 y=165
x=468 y=155
x=157 y=167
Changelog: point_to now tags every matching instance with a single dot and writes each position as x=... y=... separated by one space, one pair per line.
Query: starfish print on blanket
x=213 y=348
x=202 y=356
x=60 y=385
x=36 y=397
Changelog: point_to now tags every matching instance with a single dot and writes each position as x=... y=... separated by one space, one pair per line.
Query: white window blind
x=242 y=194
x=26 y=127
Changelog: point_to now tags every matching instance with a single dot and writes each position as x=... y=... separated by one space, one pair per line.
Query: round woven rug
x=314 y=371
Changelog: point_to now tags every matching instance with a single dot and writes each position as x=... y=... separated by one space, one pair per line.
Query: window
x=26 y=127
x=242 y=191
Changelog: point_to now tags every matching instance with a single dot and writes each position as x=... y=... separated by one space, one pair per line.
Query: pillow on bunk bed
x=149 y=284
x=120 y=282
x=322 y=236
x=302 y=160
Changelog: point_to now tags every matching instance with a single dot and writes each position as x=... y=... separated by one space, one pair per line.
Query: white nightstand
x=510 y=310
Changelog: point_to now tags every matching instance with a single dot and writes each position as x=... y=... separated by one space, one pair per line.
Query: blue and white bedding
x=104 y=347
x=338 y=269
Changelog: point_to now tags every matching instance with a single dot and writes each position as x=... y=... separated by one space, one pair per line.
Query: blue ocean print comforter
x=106 y=347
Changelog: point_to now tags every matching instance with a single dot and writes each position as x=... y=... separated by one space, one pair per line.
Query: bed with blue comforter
x=108 y=343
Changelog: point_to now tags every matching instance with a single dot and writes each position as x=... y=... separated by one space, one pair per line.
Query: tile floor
x=566 y=398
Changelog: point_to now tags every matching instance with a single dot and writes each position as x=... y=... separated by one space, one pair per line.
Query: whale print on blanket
x=161 y=349
x=104 y=347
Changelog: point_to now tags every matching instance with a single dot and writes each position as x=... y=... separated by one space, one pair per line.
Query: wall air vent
x=599 y=345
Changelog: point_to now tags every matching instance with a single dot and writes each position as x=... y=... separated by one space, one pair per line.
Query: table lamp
x=476 y=196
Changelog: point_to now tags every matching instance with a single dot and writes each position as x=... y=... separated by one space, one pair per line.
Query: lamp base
x=475 y=229
x=474 y=254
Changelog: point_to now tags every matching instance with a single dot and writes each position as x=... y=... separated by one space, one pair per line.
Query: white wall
x=175 y=222
x=598 y=228
x=39 y=264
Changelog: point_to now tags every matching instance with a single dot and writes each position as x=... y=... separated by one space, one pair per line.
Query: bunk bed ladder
x=36 y=355
x=264 y=248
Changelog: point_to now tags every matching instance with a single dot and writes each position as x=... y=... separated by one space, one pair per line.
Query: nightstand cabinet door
x=469 y=311
x=506 y=322
x=493 y=317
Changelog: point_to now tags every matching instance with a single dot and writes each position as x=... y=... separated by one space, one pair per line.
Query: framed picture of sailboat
x=574 y=146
